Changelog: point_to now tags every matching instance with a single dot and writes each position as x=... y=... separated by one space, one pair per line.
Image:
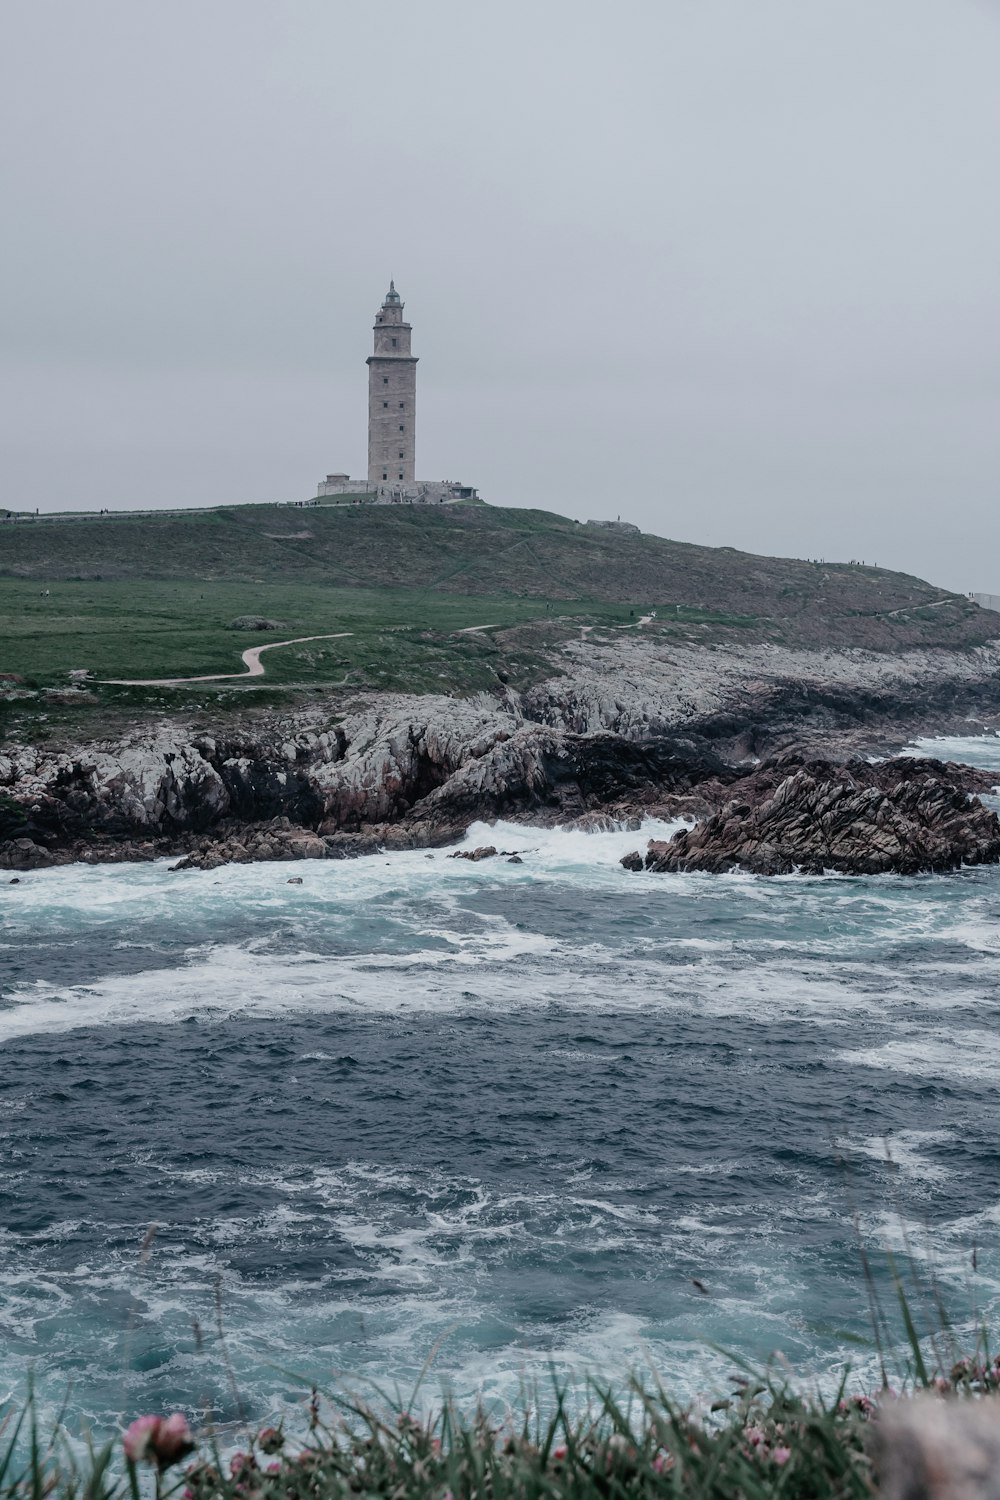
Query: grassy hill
x=482 y=551
x=150 y=595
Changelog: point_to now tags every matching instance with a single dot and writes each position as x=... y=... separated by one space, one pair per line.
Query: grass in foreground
x=764 y=1441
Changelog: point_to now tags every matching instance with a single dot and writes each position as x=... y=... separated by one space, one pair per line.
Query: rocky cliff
x=623 y=729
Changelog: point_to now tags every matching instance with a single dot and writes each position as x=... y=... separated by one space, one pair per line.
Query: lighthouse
x=392 y=398
x=392 y=427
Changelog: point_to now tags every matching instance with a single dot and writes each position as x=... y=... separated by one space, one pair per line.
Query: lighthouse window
x=385 y=474
x=394 y=343
x=401 y=428
x=401 y=405
x=402 y=455
x=400 y=473
x=385 y=380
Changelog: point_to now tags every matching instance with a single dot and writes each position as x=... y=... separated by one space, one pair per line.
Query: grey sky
x=730 y=268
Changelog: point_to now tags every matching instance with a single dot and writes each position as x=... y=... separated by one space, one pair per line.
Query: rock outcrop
x=400 y=776
x=903 y=817
x=631 y=728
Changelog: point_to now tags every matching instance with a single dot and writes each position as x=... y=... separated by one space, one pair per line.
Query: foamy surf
x=546 y=1115
x=420 y=932
x=981 y=750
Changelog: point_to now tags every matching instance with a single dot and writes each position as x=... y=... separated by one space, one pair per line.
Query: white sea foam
x=970 y=1055
x=904 y=1150
x=230 y=981
x=800 y=956
x=971 y=749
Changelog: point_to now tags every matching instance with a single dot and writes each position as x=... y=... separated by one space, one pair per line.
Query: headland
x=427 y=668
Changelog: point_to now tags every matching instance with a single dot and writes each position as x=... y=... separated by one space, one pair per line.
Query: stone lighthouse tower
x=392 y=398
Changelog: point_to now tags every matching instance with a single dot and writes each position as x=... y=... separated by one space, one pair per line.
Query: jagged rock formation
x=376 y=780
x=631 y=728
x=902 y=817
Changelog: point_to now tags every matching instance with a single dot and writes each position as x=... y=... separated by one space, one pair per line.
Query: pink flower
x=755 y=1436
x=159 y=1440
x=274 y=1468
x=663 y=1462
x=559 y=1453
x=173 y=1440
x=270 y=1439
x=781 y=1455
x=239 y=1462
x=138 y=1439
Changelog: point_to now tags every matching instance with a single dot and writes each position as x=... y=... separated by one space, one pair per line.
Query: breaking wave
x=546 y=1114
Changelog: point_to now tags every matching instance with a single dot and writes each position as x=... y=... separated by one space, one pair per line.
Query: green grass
x=760 y=1441
x=767 y=1442
x=489 y=552
x=151 y=596
x=399 y=637
x=407 y=640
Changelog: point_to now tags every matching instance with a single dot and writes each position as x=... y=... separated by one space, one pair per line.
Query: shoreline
x=627 y=729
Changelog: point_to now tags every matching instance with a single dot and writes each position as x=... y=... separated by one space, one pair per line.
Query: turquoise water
x=510 y=1114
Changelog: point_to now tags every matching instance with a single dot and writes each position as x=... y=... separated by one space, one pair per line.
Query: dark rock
x=294 y=880
x=15 y=881
x=633 y=861
x=903 y=817
x=485 y=851
x=24 y=854
x=253 y=622
x=514 y=859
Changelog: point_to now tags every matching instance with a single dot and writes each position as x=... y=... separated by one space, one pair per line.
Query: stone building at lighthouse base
x=420 y=492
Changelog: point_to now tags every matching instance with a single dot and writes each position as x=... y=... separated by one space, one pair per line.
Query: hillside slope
x=489 y=551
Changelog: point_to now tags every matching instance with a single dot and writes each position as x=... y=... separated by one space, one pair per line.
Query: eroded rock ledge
x=902 y=816
x=627 y=729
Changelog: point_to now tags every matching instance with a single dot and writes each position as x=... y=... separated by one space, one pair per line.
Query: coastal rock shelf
x=627 y=729
x=902 y=817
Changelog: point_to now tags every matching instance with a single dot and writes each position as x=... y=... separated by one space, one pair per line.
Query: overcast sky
x=729 y=268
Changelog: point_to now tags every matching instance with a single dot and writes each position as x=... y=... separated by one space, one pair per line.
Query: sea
x=418 y=1125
